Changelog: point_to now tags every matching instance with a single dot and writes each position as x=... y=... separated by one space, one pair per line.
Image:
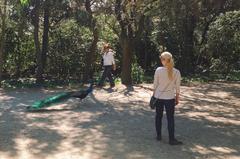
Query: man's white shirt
x=108 y=58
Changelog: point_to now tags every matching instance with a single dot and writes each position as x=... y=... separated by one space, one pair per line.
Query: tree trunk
x=39 y=70
x=127 y=49
x=2 y=38
x=45 y=38
x=90 y=56
x=22 y=24
x=140 y=44
x=126 y=41
x=187 y=57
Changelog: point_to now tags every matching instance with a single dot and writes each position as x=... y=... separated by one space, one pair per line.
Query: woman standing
x=108 y=64
x=167 y=81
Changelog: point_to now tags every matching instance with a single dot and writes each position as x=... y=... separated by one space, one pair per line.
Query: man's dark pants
x=169 y=105
x=107 y=73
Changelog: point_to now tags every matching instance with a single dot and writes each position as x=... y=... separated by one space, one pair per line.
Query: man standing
x=108 y=64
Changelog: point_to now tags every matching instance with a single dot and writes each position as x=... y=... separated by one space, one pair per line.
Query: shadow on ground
x=119 y=125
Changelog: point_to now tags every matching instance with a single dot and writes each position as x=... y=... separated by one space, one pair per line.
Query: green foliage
x=205 y=45
x=19 y=83
x=224 y=42
x=137 y=73
x=68 y=46
x=109 y=29
x=82 y=18
x=19 y=53
x=117 y=81
x=31 y=83
x=24 y=2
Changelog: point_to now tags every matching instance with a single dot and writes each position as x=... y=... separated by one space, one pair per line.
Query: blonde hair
x=169 y=64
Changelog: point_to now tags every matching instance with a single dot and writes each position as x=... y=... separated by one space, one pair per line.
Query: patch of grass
x=31 y=83
x=232 y=76
x=19 y=83
x=148 y=79
x=190 y=79
x=118 y=80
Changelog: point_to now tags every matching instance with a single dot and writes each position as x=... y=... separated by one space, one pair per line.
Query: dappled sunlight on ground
x=118 y=124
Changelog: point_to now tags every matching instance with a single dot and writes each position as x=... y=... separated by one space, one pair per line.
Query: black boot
x=112 y=85
x=159 y=137
x=99 y=85
x=175 y=142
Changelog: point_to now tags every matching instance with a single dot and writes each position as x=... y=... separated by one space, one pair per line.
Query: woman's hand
x=177 y=99
x=114 y=67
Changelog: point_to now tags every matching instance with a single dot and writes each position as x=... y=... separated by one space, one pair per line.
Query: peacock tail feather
x=50 y=101
x=60 y=98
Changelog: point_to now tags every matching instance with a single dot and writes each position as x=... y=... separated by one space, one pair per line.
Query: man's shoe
x=175 y=142
x=99 y=86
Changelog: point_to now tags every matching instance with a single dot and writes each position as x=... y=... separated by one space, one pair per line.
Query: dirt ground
x=118 y=124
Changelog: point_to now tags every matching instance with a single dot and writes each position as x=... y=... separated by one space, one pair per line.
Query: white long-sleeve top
x=108 y=58
x=161 y=81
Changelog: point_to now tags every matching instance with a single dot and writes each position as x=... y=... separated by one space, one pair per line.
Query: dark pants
x=169 y=105
x=107 y=73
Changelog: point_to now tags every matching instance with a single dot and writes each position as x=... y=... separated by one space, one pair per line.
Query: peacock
x=58 y=98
